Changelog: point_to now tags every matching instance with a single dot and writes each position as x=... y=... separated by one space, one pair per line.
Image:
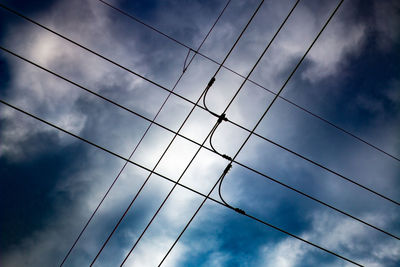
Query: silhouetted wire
x=145 y=133
x=264 y=175
x=165 y=151
x=163 y=202
x=210 y=139
x=253 y=82
x=222 y=117
x=186 y=58
x=199 y=148
x=219 y=121
x=285 y=83
x=186 y=99
x=223 y=175
x=258 y=60
x=190 y=140
x=158 y=174
x=168 y=179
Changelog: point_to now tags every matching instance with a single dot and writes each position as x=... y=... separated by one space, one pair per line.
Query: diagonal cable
x=186 y=99
x=194 y=142
x=225 y=171
x=141 y=139
x=206 y=138
x=160 y=175
x=132 y=17
x=169 y=145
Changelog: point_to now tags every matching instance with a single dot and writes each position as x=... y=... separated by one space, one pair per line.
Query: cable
x=220 y=119
x=222 y=155
x=95 y=53
x=143 y=136
x=164 y=88
x=259 y=58
x=268 y=108
x=198 y=150
x=162 y=176
x=256 y=219
x=165 y=151
x=223 y=117
x=184 y=63
x=198 y=144
x=162 y=204
x=255 y=83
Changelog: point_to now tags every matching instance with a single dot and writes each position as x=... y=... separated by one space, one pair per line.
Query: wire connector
x=227 y=168
x=210 y=83
x=222 y=117
x=227 y=157
x=240 y=211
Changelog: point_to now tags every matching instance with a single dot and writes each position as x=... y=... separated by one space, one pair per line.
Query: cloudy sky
x=51 y=182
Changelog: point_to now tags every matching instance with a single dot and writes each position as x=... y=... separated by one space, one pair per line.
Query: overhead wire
x=202 y=145
x=279 y=92
x=144 y=134
x=156 y=173
x=238 y=210
x=209 y=136
x=192 y=141
x=196 y=104
x=169 y=145
x=223 y=117
x=132 y=17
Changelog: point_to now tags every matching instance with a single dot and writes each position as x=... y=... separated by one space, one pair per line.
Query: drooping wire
x=190 y=140
x=165 y=151
x=143 y=136
x=201 y=146
x=170 y=180
x=198 y=144
x=223 y=117
x=196 y=104
x=251 y=169
x=254 y=218
x=288 y=79
x=241 y=147
x=242 y=164
x=130 y=16
x=225 y=172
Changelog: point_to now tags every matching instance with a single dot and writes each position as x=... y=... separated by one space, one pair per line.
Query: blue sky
x=51 y=182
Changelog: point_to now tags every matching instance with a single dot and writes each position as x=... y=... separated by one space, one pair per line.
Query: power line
x=165 y=151
x=225 y=171
x=168 y=90
x=143 y=136
x=162 y=176
x=258 y=220
x=194 y=142
x=258 y=60
x=198 y=144
x=255 y=83
x=220 y=119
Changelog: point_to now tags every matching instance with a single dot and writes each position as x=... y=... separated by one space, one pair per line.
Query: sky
x=51 y=182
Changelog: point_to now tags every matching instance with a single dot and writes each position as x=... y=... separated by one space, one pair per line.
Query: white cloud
x=342 y=235
x=57 y=102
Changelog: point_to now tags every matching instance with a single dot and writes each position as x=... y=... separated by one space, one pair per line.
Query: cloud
x=139 y=49
x=342 y=235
